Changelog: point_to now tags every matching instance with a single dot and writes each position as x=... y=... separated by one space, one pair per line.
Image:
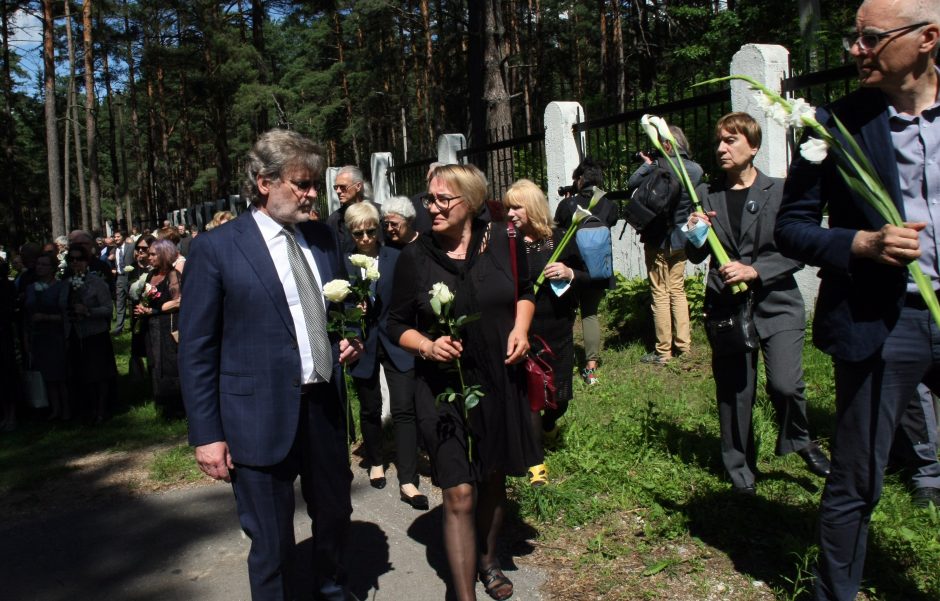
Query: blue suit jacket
x=859 y=299
x=239 y=365
x=403 y=360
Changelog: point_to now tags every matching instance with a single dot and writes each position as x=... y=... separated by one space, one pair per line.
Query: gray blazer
x=778 y=304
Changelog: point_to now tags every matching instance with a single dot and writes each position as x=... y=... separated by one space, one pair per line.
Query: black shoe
x=418 y=501
x=816 y=460
x=923 y=497
x=378 y=482
x=654 y=359
x=745 y=491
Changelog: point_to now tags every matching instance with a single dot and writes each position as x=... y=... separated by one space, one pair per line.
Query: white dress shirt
x=277 y=246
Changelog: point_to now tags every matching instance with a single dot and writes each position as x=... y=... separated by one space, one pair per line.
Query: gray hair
x=355 y=173
x=399 y=205
x=277 y=151
x=681 y=141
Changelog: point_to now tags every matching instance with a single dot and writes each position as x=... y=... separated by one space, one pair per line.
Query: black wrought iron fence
x=509 y=159
x=615 y=140
x=409 y=178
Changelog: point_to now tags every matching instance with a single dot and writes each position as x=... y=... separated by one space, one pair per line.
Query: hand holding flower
x=558 y=271
x=735 y=272
x=350 y=349
x=444 y=349
x=892 y=244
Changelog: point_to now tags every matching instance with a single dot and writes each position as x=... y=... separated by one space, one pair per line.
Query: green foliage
x=175 y=465
x=627 y=305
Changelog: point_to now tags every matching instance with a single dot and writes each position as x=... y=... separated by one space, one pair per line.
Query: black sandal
x=494 y=581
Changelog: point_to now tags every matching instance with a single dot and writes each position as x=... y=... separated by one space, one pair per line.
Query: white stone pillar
x=768 y=64
x=332 y=198
x=447 y=147
x=381 y=189
x=562 y=147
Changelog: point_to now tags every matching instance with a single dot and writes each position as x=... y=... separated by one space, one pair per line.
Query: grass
x=637 y=506
x=638 y=472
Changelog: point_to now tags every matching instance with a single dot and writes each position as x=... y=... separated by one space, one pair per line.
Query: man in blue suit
x=261 y=383
x=869 y=315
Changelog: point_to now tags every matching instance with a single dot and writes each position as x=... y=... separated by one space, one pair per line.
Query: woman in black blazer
x=742 y=214
x=362 y=222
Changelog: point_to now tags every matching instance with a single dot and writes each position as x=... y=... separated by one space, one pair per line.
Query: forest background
x=137 y=108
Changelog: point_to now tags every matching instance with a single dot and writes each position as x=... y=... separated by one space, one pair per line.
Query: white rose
x=442 y=293
x=814 y=150
x=336 y=291
x=128 y=268
x=359 y=260
x=372 y=272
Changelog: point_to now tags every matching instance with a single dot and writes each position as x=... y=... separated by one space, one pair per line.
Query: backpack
x=594 y=244
x=657 y=194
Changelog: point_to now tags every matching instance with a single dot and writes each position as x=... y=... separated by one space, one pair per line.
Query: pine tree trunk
x=143 y=190
x=52 y=132
x=619 y=67
x=498 y=113
x=8 y=127
x=605 y=63
x=118 y=185
x=94 y=191
x=72 y=119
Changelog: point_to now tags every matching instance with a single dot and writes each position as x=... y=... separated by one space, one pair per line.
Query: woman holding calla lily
x=473 y=445
x=362 y=222
x=741 y=214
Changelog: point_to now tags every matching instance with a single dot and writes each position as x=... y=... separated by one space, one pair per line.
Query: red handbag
x=540 y=377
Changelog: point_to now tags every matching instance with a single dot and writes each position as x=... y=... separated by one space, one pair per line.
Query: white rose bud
x=336 y=291
x=814 y=150
x=372 y=272
x=442 y=293
x=128 y=268
x=359 y=260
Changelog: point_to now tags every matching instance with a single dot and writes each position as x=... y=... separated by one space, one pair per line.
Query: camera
x=652 y=153
x=567 y=190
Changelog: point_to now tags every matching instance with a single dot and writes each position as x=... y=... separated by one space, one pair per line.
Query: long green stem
x=466 y=413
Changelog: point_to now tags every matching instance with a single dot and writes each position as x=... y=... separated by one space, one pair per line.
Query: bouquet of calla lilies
x=854 y=167
x=580 y=214
x=657 y=129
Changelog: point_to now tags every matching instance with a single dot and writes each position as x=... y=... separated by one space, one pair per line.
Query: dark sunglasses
x=141 y=249
x=303 y=185
x=358 y=234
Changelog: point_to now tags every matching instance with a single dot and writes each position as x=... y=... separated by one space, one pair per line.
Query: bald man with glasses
x=869 y=314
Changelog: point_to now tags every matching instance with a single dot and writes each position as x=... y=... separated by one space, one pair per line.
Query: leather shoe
x=923 y=497
x=745 y=491
x=816 y=460
x=378 y=482
x=418 y=501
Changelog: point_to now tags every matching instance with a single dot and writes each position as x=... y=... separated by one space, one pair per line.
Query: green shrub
x=628 y=306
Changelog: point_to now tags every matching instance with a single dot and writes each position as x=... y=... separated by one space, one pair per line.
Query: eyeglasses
x=441 y=202
x=869 y=41
x=358 y=234
x=304 y=185
x=140 y=249
x=342 y=187
x=392 y=225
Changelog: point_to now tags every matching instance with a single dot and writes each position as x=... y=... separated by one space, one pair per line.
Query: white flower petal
x=580 y=214
x=799 y=108
x=336 y=291
x=814 y=150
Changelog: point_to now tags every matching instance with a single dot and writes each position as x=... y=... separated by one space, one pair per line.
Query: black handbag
x=731 y=329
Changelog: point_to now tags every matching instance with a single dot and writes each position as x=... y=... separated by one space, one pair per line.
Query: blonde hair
x=467 y=180
x=524 y=193
x=361 y=213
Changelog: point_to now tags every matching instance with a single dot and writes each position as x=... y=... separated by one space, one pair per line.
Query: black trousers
x=401 y=389
x=265 y=499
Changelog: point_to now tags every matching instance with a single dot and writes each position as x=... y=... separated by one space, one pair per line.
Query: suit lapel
x=252 y=245
x=758 y=193
x=875 y=139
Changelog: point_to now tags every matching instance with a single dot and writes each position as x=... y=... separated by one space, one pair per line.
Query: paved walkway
x=187 y=544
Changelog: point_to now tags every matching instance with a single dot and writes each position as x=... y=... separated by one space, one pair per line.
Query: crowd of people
x=455 y=300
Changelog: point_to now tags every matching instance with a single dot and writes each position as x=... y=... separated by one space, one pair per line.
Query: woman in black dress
x=556 y=301
x=472 y=258
x=140 y=327
x=161 y=303
x=46 y=303
x=90 y=353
